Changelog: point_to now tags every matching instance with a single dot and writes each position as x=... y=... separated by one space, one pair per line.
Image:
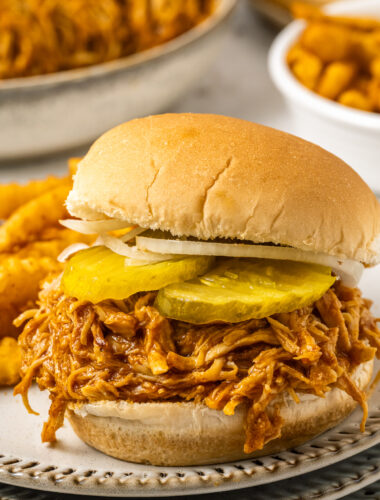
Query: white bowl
x=350 y=134
x=51 y=113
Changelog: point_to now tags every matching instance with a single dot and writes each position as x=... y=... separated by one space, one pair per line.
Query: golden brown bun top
x=212 y=176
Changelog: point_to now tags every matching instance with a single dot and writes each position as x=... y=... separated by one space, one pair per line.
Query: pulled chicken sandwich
x=217 y=316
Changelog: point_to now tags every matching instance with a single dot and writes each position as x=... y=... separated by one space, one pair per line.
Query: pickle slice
x=97 y=274
x=240 y=289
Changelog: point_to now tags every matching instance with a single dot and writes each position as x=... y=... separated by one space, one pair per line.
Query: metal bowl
x=60 y=111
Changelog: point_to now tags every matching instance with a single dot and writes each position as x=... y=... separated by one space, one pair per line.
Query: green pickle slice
x=240 y=289
x=97 y=273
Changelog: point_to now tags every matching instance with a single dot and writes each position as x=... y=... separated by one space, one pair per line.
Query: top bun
x=211 y=176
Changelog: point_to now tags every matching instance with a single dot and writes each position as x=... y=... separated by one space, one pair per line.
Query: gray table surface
x=237 y=84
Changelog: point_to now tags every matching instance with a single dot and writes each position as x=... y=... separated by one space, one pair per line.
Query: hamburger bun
x=174 y=434
x=210 y=176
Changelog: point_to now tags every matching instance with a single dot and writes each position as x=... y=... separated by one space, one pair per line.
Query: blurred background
x=71 y=70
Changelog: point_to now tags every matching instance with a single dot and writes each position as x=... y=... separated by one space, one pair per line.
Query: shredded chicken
x=82 y=352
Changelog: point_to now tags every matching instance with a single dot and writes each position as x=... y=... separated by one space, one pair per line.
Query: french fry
x=49 y=248
x=10 y=361
x=328 y=42
x=306 y=66
x=13 y=195
x=355 y=99
x=30 y=241
x=361 y=83
x=374 y=94
x=301 y=10
x=367 y=48
x=8 y=312
x=30 y=219
x=20 y=278
x=375 y=66
x=336 y=78
x=310 y=13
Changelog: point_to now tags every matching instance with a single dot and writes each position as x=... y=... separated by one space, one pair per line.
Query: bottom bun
x=192 y=434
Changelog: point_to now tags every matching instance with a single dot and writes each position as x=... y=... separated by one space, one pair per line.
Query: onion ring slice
x=94 y=226
x=71 y=250
x=119 y=246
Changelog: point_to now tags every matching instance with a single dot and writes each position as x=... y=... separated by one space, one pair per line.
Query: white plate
x=72 y=467
x=355 y=475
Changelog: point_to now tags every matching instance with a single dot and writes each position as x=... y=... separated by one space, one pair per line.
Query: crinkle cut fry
x=81 y=352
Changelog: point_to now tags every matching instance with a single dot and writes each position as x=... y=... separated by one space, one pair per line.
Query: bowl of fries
x=327 y=66
x=61 y=90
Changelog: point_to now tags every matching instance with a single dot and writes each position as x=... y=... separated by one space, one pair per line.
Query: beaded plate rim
x=359 y=474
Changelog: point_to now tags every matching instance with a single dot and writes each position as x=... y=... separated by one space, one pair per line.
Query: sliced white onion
x=70 y=250
x=121 y=248
x=94 y=226
x=349 y=271
x=131 y=234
